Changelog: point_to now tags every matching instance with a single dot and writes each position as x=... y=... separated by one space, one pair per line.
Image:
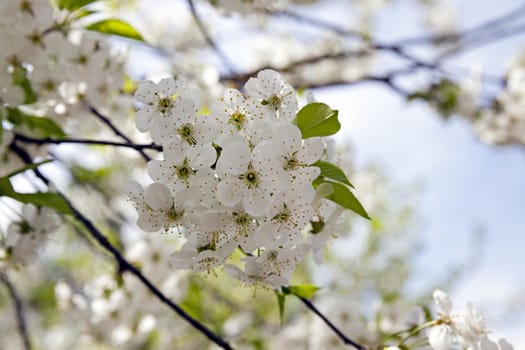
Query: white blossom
x=276 y=97
x=249 y=177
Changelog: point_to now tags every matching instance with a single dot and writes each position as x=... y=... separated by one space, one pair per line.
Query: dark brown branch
x=47 y=140
x=117 y=132
x=123 y=264
x=211 y=43
x=19 y=311
x=336 y=330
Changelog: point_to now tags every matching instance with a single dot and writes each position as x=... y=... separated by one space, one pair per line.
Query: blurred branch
x=487 y=39
x=117 y=132
x=455 y=37
x=211 y=43
x=19 y=311
x=123 y=264
x=340 y=334
x=47 y=140
x=319 y=24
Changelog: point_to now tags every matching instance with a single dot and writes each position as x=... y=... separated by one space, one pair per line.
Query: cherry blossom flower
x=249 y=177
x=273 y=267
x=276 y=97
x=182 y=169
x=463 y=326
x=159 y=100
x=236 y=114
x=186 y=125
x=158 y=209
x=25 y=237
x=295 y=155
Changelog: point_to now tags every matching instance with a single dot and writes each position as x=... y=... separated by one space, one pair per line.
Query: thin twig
x=48 y=140
x=211 y=43
x=319 y=24
x=340 y=334
x=123 y=264
x=117 y=132
x=19 y=311
x=454 y=37
x=399 y=48
x=486 y=39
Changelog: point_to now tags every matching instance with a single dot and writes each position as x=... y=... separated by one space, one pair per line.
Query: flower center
x=274 y=101
x=292 y=162
x=184 y=171
x=164 y=104
x=186 y=133
x=250 y=177
x=174 y=215
x=284 y=216
x=237 y=119
x=241 y=219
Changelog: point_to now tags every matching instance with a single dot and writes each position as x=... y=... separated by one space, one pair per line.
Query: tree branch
x=211 y=43
x=19 y=311
x=117 y=132
x=339 y=333
x=455 y=37
x=123 y=264
x=48 y=140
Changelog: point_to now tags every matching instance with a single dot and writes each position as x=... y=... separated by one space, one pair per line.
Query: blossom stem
x=418 y=329
x=19 y=311
x=337 y=331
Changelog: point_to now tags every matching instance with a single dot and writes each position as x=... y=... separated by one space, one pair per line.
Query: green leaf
x=73 y=4
x=44 y=199
x=332 y=172
x=317 y=119
x=281 y=299
x=28 y=167
x=47 y=127
x=342 y=196
x=444 y=96
x=21 y=79
x=305 y=291
x=81 y=13
x=117 y=27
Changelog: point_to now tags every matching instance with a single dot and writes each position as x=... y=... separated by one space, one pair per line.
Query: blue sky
x=467 y=184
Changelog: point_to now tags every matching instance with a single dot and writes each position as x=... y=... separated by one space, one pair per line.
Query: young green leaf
x=45 y=126
x=332 y=172
x=303 y=291
x=28 y=167
x=72 y=5
x=317 y=119
x=342 y=196
x=117 y=27
x=44 y=199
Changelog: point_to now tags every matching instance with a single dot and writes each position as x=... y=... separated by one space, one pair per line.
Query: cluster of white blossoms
x=25 y=237
x=65 y=68
x=465 y=327
x=504 y=122
x=238 y=177
x=120 y=312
